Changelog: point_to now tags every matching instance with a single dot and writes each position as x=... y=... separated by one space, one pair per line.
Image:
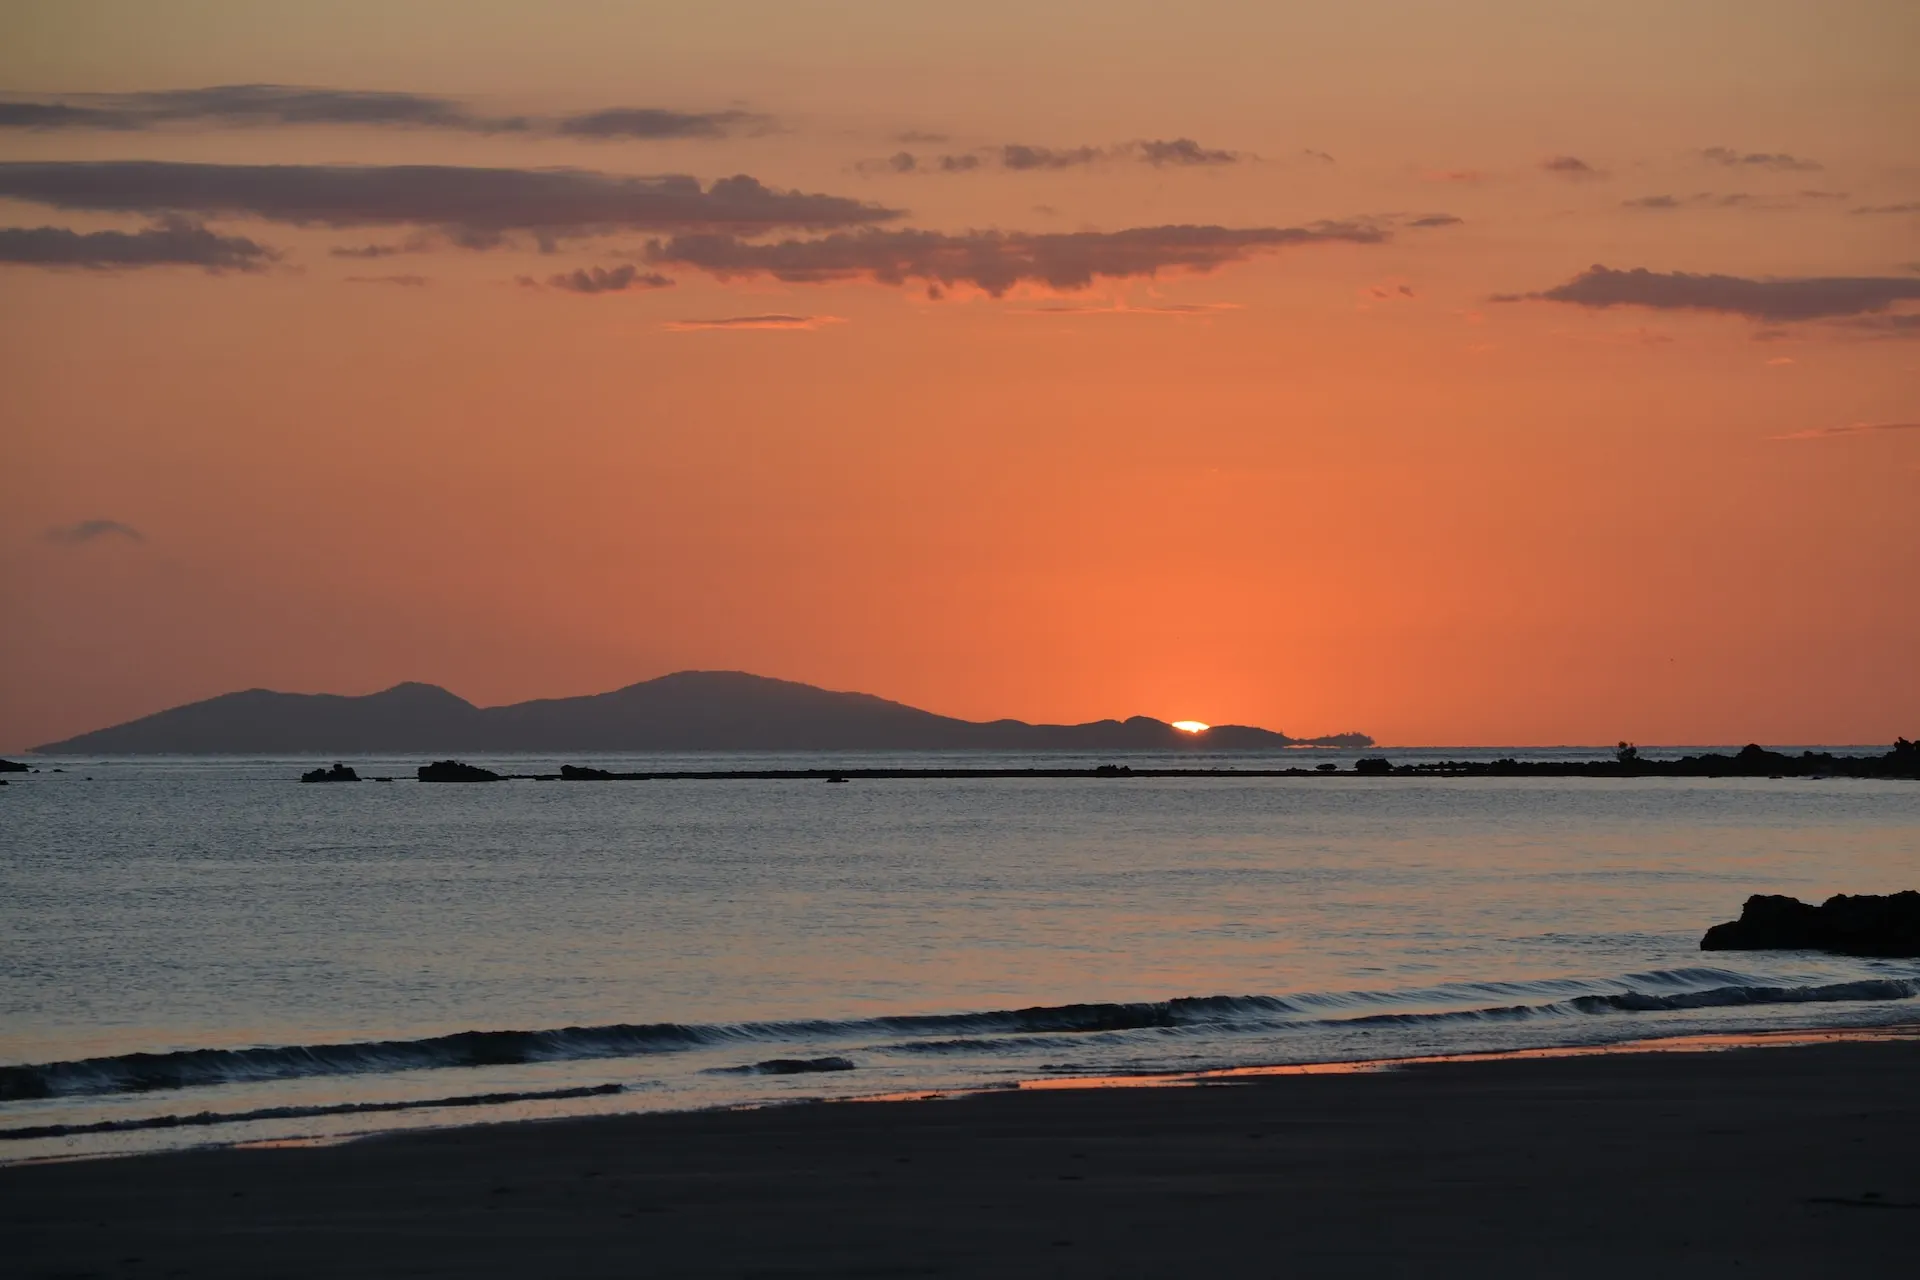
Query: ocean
x=205 y=951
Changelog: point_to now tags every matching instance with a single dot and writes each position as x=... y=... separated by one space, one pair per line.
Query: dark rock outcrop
x=12 y=766
x=339 y=773
x=1373 y=765
x=1866 y=924
x=456 y=771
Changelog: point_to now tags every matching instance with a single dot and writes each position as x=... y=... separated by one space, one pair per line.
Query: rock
x=582 y=773
x=455 y=771
x=1374 y=765
x=1867 y=924
x=339 y=773
x=12 y=766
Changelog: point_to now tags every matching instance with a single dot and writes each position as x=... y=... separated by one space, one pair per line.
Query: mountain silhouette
x=687 y=711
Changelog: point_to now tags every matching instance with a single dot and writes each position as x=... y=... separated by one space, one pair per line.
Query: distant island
x=687 y=711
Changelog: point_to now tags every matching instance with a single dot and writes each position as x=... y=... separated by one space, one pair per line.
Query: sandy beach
x=1753 y=1162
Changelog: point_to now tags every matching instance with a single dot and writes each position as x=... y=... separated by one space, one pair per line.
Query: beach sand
x=1754 y=1162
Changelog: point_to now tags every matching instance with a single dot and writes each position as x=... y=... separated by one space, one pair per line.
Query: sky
x=1486 y=373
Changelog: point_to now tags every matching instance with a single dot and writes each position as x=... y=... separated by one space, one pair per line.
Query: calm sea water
x=202 y=950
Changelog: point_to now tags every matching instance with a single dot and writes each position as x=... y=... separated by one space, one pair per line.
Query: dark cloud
x=1570 y=167
x=608 y=280
x=174 y=242
x=917 y=137
x=410 y=282
x=1810 y=298
x=475 y=207
x=1823 y=195
x=1911 y=206
x=1182 y=152
x=1757 y=160
x=753 y=322
x=275 y=106
x=658 y=122
x=1021 y=158
x=370 y=251
x=252 y=105
x=1708 y=200
x=1017 y=157
x=1436 y=220
x=74 y=535
x=1321 y=156
x=997 y=261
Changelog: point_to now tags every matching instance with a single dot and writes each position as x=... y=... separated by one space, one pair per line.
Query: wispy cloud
x=173 y=242
x=1851 y=429
x=775 y=321
x=658 y=122
x=406 y=281
x=255 y=106
x=1804 y=298
x=1570 y=167
x=1775 y=160
x=1014 y=157
x=1910 y=206
x=474 y=207
x=85 y=531
x=1711 y=200
x=1429 y=220
x=1121 y=307
x=996 y=261
x=608 y=280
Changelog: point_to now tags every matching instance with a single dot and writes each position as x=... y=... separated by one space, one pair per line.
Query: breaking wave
x=1005 y=1030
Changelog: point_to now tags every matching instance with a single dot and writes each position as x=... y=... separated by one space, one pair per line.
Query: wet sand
x=1779 y=1161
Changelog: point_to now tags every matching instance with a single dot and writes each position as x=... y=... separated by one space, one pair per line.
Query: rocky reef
x=456 y=771
x=1866 y=924
x=339 y=773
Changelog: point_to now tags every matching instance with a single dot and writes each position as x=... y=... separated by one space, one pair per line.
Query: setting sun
x=1190 y=726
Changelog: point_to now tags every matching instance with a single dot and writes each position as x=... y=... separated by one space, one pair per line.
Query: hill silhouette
x=687 y=711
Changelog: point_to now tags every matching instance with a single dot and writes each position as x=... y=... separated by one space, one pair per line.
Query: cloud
x=281 y=106
x=1851 y=429
x=173 y=242
x=1017 y=157
x=251 y=106
x=1012 y=157
x=1570 y=167
x=1807 y=298
x=753 y=322
x=1184 y=152
x=1899 y=326
x=1465 y=177
x=658 y=122
x=411 y=282
x=1436 y=220
x=1757 y=160
x=608 y=280
x=1321 y=156
x=75 y=535
x=1911 y=206
x=475 y=207
x=416 y=244
x=1123 y=308
x=1709 y=199
x=996 y=261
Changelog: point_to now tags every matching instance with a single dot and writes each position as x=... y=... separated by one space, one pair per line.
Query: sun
x=1191 y=726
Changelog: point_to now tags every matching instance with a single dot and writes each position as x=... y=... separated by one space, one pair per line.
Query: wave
x=1039 y=1026
x=301 y=1113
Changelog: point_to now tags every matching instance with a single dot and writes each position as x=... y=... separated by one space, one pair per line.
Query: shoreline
x=1702 y=1158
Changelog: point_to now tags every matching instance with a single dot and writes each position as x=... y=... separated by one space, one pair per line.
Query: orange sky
x=1316 y=486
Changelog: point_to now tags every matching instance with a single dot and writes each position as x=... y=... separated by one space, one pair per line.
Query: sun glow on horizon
x=1191 y=726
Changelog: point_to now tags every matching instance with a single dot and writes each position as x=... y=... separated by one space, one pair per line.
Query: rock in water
x=12 y=766
x=1866 y=924
x=455 y=771
x=339 y=773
